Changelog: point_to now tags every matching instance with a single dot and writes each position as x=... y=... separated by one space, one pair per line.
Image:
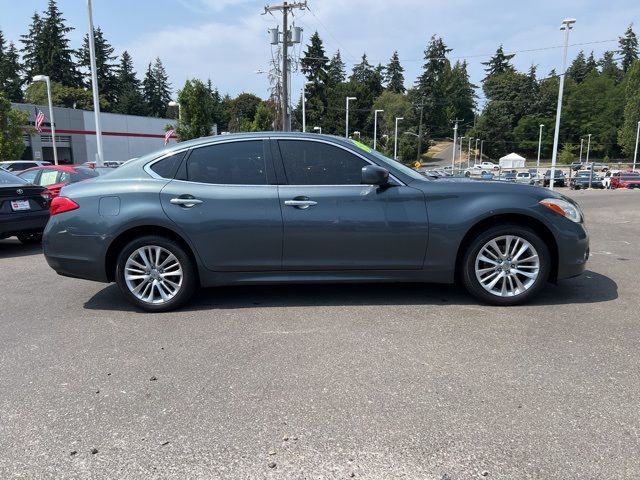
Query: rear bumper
x=74 y=255
x=18 y=223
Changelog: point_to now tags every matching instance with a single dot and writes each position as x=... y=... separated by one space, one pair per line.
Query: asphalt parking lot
x=372 y=381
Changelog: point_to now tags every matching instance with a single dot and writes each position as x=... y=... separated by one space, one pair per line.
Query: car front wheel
x=506 y=265
x=155 y=273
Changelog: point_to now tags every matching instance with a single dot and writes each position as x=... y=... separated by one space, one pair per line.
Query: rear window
x=7 y=178
x=167 y=167
x=81 y=174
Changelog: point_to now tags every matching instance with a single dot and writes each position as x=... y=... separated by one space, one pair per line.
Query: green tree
x=105 y=66
x=432 y=85
x=609 y=67
x=47 y=49
x=396 y=105
x=263 y=120
x=461 y=94
x=10 y=69
x=129 y=99
x=61 y=96
x=578 y=68
x=498 y=64
x=242 y=111
x=336 y=71
x=394 y=75
x=156 y=89
x=315 y=65
x=32 y=50
x=11 y=130
x=628 y=48
x=627 y=132
x=567 y=154
x=591 y=64
x=197 y=109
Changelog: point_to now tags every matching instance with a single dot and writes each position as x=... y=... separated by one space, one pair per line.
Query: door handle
x=185 y=202
x=301 y=204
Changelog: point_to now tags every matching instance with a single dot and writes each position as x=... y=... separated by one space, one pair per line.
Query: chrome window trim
x=148 y=165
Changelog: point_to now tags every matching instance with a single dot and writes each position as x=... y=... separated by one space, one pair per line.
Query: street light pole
x=481 y=145
x=469 y=153
x=581 y=142
x=635 y=153
x=395 y=145
x=346 y=130
x=460 y=152
x=45 y=78
x=475 y=153
x=375 y=127
x=455 y=142
x=539 y=147
x=566 y=26
x=587 y=159
x=317 y=129
x=94 y=87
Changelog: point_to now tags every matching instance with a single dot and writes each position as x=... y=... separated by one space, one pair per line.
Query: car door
x=333 y=222
x=225 y=200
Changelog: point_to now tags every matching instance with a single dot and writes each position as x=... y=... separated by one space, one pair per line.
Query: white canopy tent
x=513 y=160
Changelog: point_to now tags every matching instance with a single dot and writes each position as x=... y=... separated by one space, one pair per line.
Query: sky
x=227 y=40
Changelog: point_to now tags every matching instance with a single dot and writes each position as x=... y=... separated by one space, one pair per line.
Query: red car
x=625 y=180
x=55 y=177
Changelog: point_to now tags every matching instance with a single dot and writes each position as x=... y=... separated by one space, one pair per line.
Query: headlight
x=564 y=208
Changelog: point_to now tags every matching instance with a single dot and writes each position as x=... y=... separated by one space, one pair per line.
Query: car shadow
x=591 y=287
x=11 y=248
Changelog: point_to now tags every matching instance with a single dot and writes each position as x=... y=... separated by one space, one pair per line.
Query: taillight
x=62 y=205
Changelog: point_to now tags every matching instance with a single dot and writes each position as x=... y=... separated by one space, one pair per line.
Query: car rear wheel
x=155 y=273
x=30 y=238
x=506 y=265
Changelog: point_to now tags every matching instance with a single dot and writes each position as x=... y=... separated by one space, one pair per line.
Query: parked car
x=24 y=208
x=54 y=177
x=482 y=167
x=606 y=178
x=17 y=166
x=508 y=177
x=575 y=166
x=560 y=180
x=525 y=177
x=596 y=166
x=625 y=180
x=585 y=179
x=266 y=208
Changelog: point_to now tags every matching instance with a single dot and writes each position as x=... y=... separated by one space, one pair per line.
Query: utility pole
x=635 y=153
x=460 y=153
x=587 y=163
x=288 y=36
x=420 y=128
x=581 y=142
x=469 y=153
x=475 y=153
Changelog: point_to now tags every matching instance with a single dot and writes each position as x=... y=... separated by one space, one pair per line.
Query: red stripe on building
x=108 y=134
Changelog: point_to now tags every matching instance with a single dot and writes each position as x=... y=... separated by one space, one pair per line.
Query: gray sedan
x=305 y=208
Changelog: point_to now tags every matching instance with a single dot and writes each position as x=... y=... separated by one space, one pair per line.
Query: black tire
x=30 y=238
x=189 y=279
x=472 y=284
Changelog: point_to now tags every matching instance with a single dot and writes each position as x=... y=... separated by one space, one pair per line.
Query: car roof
x=60 y=168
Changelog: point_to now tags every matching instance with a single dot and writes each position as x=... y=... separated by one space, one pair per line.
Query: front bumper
x=573 y=250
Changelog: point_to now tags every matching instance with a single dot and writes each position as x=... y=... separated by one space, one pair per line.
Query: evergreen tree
x=32 y=51
x=461 y=94
x=363 y=71
x=628 y=48
x=336 y=70
x=591 y=64
x=394 y=75
x=197 y=108
x=627 y=132
x=608 y=66
x=315 y=66
x=499 y=63
x=54 y=44
x=431 y=87
x=578 y=68
x=156 y=89
x=105 y=68
x=129 y=99
x=10 y=80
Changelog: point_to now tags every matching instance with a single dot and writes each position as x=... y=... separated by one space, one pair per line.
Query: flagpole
x=94 y=87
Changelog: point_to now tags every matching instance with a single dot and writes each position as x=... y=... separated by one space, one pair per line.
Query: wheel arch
x=512 y=219
x=126 y=236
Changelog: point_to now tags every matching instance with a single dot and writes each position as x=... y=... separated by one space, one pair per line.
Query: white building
x=123 y=136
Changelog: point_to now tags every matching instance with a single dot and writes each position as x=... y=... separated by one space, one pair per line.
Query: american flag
x=168 y=135
x=40 y=118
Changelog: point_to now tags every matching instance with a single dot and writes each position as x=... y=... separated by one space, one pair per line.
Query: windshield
x=397 y=165
x=7 y=178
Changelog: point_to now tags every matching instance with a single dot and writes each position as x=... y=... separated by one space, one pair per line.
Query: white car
x=525 y=177
x=606 y=179
x=16 y=166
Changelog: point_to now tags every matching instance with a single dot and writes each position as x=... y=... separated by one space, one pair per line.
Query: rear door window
x=231 y=163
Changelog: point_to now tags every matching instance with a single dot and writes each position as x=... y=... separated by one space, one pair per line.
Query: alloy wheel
x=507 y=266
x=153 y=274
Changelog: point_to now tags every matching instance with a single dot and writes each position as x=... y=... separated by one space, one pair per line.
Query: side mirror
x=374 y=175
